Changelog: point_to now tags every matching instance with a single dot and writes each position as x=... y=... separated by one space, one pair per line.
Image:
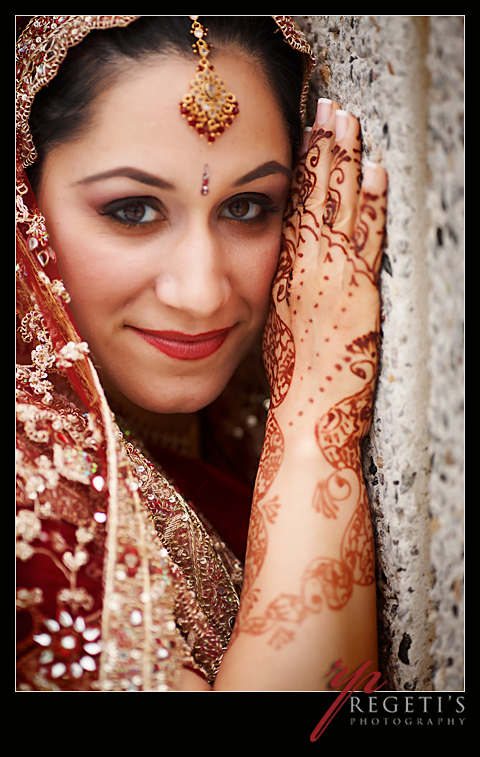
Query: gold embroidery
x=212 y=574
x=294 y=36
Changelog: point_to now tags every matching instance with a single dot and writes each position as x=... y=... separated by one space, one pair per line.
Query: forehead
x=138 y=119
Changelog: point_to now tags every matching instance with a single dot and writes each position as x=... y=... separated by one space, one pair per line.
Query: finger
x=344 y=179
x=317 y=162
x=291 y=207
x=297 y=180
x=324 y=109
x=369 y=229
x=299 y=167
x=306 y=139
x=311 y=198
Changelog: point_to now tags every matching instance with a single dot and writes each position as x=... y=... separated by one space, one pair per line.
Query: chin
x=179 y=400
x=174 y=392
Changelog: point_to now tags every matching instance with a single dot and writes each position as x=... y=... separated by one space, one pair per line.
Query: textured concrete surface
x=402 y=76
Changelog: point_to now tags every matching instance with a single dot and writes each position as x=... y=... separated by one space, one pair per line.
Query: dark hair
x=65 y=107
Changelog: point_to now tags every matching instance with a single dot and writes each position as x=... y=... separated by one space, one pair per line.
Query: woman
x=145 y=277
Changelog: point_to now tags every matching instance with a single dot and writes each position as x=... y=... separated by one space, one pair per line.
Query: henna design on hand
x=339 y=430
x=343 y=251
x=368 y=210
x=271 y=458
x=309 y=184
x=338 y=434
x=278 y=357
x=354 y=248
x=324 y=581
x=257 y=548
x=336 y=489
x=330 y=578
x=294 y=223
x=357 y=544
x=270 y=461
x=284 y=269
x=333 y=203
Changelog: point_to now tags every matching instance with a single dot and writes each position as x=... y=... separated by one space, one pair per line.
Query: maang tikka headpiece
x=208 y=107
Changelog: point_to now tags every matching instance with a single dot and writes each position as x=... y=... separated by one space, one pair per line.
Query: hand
x=322 y=337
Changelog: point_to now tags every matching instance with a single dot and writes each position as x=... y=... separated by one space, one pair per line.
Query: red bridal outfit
x=121 y=581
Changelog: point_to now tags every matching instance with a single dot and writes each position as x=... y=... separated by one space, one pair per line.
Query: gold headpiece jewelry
x=208 y=107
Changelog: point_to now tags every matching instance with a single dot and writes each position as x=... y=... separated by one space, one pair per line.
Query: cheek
x=96 y=288
x=85 y=277
x=259 y=273
x=89 y=268
x=87 y=261
x=70 y=241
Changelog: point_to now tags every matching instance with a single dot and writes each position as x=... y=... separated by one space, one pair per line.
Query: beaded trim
x=40 y=50
x=294 y=37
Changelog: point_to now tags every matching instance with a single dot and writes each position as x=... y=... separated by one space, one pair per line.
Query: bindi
x=205 y=181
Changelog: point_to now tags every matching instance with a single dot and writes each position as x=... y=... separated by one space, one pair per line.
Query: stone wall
x=402 y=76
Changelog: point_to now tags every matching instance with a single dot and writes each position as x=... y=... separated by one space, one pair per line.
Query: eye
x=134 y=211
x=244 y=210
x=249 y=209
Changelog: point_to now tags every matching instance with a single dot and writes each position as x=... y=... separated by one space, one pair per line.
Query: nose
x=194 y=277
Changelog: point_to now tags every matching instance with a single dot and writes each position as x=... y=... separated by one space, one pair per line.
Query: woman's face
x=169 y=286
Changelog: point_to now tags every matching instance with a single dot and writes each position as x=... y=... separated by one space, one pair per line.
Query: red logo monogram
x=349 y=686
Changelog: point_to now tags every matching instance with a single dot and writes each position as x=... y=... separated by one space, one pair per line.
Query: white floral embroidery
x=28 y=527
x=71 y=352
x=58 y=288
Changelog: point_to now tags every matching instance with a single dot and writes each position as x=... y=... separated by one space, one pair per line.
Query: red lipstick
x=185 y=346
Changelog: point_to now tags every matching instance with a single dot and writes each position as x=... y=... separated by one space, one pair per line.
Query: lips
x=185 y=346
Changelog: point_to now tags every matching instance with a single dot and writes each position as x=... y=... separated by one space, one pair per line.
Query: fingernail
x=306 y=138
x=324 y=109
x=369 y=174
x=341 y=124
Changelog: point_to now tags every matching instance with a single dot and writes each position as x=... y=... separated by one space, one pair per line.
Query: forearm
x=309 y=596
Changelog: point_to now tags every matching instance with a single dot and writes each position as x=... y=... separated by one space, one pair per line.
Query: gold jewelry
x=208 y=107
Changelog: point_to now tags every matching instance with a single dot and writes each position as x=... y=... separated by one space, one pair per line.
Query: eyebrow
x=266 y=169
x=129 y=173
